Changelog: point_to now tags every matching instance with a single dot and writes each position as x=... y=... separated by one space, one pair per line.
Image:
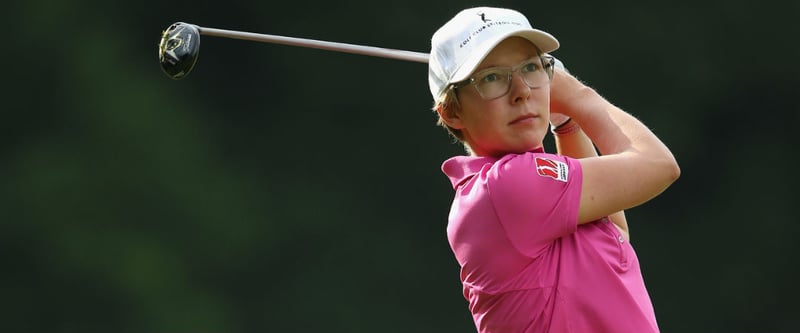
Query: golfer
x=541 y=238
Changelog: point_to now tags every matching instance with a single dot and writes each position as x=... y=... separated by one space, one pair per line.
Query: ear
x=450 y=116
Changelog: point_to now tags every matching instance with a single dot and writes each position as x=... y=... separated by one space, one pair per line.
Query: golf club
x=179 y=47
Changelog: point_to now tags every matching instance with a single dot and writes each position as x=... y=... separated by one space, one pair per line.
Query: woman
x=541 y=238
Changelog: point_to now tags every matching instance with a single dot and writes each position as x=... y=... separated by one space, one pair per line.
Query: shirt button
x=621 y=240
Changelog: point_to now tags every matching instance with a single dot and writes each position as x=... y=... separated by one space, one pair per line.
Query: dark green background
x=285 y=189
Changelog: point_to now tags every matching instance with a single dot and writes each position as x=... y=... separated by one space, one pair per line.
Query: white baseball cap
x=464 y=41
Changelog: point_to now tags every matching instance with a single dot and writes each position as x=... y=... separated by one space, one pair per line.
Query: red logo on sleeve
x=554 y=169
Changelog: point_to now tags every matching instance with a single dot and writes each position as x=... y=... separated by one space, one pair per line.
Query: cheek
x=473 y=112
x=542 y=96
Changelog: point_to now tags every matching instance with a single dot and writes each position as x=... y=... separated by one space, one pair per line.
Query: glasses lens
x=533 y=73
x=492 y=83
x=495 y=82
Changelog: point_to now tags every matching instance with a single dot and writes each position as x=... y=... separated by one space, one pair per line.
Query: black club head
x=179 y=49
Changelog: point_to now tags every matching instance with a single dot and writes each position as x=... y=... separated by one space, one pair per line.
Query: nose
x=520 y=91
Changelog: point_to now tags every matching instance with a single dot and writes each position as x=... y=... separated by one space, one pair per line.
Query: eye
x=490 y=77
x=530 y=67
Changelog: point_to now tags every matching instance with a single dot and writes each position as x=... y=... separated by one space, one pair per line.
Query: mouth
x=523 y=119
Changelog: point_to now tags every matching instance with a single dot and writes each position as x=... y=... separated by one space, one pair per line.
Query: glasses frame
x=547 y=61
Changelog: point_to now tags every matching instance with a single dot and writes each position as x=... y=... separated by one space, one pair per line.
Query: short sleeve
x=536 y=197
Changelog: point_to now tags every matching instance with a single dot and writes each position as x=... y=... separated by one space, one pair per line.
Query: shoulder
x=537 y=166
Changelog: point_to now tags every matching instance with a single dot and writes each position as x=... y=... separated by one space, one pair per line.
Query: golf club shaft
x=318 y=44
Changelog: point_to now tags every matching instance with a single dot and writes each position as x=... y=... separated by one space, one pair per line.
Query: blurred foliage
x=297 y=190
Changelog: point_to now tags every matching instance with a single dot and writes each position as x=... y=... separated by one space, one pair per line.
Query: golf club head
x=179 y=49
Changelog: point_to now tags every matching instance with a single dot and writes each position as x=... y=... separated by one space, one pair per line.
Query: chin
x=525 y=148
x=531 y=142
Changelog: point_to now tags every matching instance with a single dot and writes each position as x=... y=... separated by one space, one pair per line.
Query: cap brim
x=544 y=42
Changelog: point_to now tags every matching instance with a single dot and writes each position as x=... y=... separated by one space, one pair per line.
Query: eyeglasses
x=495 y=82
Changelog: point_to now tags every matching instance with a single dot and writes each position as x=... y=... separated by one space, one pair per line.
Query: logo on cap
x=486 y=26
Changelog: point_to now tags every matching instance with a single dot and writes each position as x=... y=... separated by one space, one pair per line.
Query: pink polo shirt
x=526 y=264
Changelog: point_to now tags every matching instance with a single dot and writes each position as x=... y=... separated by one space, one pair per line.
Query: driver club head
x=179 y=49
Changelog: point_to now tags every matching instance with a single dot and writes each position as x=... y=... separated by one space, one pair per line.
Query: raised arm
x=635 y=165
x=569 y=138
x=572 y=141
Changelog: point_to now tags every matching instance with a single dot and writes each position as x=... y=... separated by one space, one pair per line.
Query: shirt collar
x=461 y=168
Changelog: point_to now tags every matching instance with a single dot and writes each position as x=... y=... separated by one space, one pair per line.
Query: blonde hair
x=448 y=102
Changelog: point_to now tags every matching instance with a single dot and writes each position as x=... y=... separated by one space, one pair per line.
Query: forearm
x=572 y=141
x=614 y=131
x=611 y=130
